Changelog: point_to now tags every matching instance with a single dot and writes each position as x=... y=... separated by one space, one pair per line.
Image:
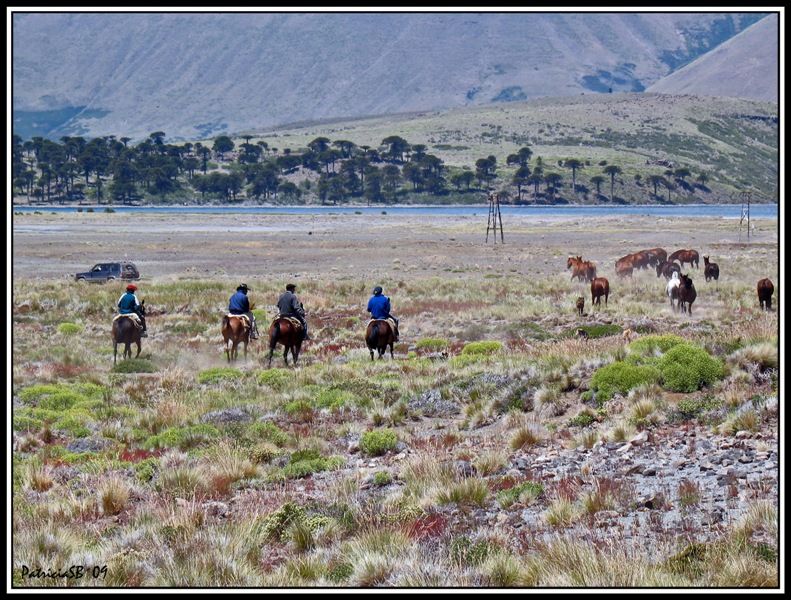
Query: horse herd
x=680 y=289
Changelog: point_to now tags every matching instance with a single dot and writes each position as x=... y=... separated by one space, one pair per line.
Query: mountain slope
x=194 y=75
x=746 y=66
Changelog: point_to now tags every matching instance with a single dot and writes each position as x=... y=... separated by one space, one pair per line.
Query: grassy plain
x=523 y=462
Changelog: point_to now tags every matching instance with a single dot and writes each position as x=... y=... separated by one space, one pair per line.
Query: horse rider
x=129 y=304
x=379 y=307
x=240 y=305
x=289 y=306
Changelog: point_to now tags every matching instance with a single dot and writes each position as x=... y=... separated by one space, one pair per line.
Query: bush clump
x=464 y=551
x=620 y=377
x=217 y=374
x=377 y=443
x=583 y=419
x=268 y=432
x=306 y=462
x=482 y=348
x=182 y=438
x=432 y=344
x=69 y=328
x=274 y=378
x=595 y=331
x=524 y=493
x=651 y=345
x=687 y=368
x=134 y=365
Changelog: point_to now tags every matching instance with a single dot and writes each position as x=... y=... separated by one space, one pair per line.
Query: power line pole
x=746 y=199
x=494 y=216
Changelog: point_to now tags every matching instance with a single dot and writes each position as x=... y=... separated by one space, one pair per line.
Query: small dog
x=582 y=334
x=629 y=335
x=580 y=305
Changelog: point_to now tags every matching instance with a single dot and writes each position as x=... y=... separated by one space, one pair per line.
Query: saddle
x=388 y=321
x=245 y=319
x=135 y=319
x=293 y=320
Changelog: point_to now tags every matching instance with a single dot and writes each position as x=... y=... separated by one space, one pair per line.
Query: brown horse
x=600 y=287
x=378 y=336
x=685 y=256
x=580 y=305
x=235 y=330
x=127 y=333
x=641 y=260
x=711 y=270
x=686 y=294
x=583 y=270
x=282 y=331
x=624 y=266
x=667 y=269
x=765 y=291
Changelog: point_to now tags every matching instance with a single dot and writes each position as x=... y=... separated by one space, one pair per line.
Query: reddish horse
x=235 y=331
x=685 y=256
x=378 y=336
x=765 y=291
x=624 y=266
x=641 y=260
x=711 y=270
x=686 y=294
x=127 y=333
x=600 y=287
x=583 y=270
x=282 y=331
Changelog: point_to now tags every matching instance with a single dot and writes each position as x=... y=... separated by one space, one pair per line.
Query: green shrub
x=334 y=398
x=134 y=365
x=277 y=523
x=306 y=462
x=691 y=408
x=75 y=424
x=69 y=328
x=583 y=419
x=146 y=469
x=382 y=478
x=524 y=492
x=651 y=345
x=466 y=552
x=687 y=368
x=340 y=572
x=595 y=331
x=217 y=374
x=269 y=432
x=620 y=377
x=376 y=443
x=432 y=344
x=275 y=378
x=482 y=348
x=183 y=438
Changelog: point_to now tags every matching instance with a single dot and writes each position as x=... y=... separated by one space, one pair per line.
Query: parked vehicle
x=103 y=272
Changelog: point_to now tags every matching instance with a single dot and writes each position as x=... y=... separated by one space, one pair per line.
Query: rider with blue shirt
x=379 y=307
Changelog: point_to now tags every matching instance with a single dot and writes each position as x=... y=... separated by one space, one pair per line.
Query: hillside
x=195 y=75
x=746 y=66
x=733 y=141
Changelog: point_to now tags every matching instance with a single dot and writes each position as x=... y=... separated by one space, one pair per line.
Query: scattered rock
x=431 y=404
x=215 y=509
x=88 y=445
x=464 y=468
x=639 y=439
x=228 y=415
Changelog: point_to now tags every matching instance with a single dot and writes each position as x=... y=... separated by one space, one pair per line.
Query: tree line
x=110 y=169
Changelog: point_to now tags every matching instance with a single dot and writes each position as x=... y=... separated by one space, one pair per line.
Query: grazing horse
x=600 y=287
x=624 y=266
x=580 y=305
x=378 y=336
x=282 y=331
x=656 y=256
x=583 y=270
x=685 y=256
x=686 y=294
x=711 y=269
x=671 y=289
x=765 y=291
x=126 y=332
x=667 y=269
x=235 y=330
x=641 y=260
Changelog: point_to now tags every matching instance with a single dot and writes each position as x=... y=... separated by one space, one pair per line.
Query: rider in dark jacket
x=290 y=306
x=240 y=305
x=379 y=307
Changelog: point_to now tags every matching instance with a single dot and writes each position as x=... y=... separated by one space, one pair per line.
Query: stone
x=215 y=508
x=740 y=435
x=649 y=471
x=228 y=415
x=353 y=446
x=88 y=445
x=625 y=448
x=639 y=439
x=464 y=468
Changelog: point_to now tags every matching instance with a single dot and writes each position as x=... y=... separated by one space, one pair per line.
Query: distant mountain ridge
x=197 y=75
x=746 y=66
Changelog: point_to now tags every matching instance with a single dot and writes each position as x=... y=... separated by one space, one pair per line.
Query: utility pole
x=494 y=216
x=746 y=199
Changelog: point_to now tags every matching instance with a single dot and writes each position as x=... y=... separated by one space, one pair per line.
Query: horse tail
x=373 y=335
x=275 y=333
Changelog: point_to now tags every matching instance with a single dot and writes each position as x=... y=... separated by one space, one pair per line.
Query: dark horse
x=235 y=331
x=711 y=270
x=685 y=256
x=126 y=332
x=378 y=336
x=667 y=269
x=765 y=290
x=600 y=287
x=282 y=331
x=686 y=294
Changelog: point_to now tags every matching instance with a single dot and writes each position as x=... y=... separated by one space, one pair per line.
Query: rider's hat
x=291 y=287
x=377 y=290
x=131 y=287
x=243 y=286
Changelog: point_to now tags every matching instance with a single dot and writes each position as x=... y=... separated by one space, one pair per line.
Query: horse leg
x=138 y=349
x=227 y=352
x=271 y=353
x=115 y=353
x=285 y=355
x=372 y=353
x=391 y=351
x=245 y=350
x=295 y=354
